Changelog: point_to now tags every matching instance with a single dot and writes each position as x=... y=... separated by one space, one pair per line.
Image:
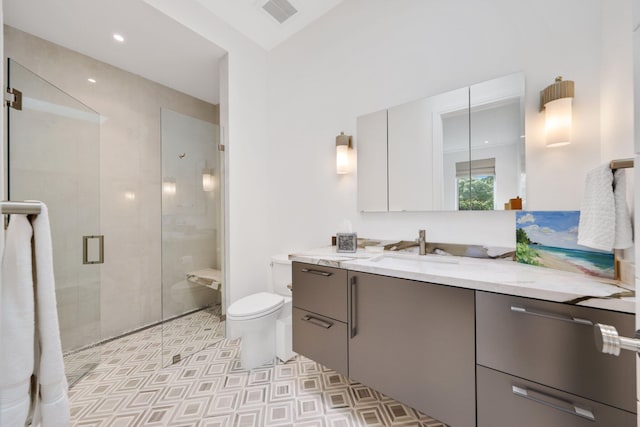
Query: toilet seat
x=255 y=306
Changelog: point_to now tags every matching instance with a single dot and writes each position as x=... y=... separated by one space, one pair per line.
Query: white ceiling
x=156 y=47
x=248 y=17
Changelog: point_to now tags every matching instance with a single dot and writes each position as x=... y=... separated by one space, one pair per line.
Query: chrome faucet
x=422 y=242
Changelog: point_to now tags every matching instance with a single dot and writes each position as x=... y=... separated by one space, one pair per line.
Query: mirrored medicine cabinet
x=459 y=150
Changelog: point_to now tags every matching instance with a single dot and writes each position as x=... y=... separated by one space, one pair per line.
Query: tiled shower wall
x=130 y=107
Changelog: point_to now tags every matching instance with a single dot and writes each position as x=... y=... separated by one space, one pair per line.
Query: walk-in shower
x=131 y=248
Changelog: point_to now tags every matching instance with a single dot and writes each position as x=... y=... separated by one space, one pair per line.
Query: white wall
x=366 y=55
x=245 y=134
x=616 y=100
x=617 y=112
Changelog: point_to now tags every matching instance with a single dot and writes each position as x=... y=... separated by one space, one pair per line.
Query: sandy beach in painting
x=550 y=260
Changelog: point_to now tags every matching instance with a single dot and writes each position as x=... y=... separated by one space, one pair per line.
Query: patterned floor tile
x=130 y=387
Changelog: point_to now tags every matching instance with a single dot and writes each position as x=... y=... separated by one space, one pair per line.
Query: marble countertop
x=499 y=276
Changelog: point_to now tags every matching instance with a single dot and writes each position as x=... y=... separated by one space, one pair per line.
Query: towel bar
x=621 y=164
x=26 y=208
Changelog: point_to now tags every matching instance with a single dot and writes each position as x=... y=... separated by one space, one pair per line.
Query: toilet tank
x=281 y=274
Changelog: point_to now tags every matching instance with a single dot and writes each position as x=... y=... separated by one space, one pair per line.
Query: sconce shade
x=208 y=180
x=558 y=122
x=343 y=155
x=556 y=101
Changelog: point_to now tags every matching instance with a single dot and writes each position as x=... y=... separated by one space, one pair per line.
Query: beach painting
x=549 y=239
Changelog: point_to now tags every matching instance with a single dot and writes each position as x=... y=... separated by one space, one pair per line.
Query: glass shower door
x=192 y=236
x=53 y=151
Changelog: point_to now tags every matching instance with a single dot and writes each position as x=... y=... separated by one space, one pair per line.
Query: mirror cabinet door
x=371 y=147
x=497 y=142
x=410 y=157
x=451 y=149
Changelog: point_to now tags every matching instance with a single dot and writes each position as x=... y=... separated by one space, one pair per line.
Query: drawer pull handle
x=318 y=272
x=353 y=330
x=553 y=402
x=317 y=322
x=552 y=316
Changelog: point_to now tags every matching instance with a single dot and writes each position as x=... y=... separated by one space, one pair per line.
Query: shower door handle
x=85 y=249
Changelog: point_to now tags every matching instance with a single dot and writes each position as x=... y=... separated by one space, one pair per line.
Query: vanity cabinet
x=550 y=345
x=414 y=342
x=465 y=357
x=319 y=319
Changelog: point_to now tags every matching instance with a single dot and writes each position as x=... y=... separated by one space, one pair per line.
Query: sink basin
x=409 y=262
x=391 y=258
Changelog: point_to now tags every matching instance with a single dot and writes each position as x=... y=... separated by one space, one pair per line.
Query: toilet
x=263 y=319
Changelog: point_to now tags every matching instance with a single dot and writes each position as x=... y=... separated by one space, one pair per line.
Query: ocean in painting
x=549 y=239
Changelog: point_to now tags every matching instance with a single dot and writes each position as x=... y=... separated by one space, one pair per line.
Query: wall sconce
x=556 y=100
x=129 y=195
x=343 y=154
x=208 y=180
x=169 y=186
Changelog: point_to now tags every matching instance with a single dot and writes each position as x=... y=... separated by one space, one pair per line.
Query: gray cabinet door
x=415 y=342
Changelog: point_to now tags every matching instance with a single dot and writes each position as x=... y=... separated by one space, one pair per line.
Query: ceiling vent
x=280 y=10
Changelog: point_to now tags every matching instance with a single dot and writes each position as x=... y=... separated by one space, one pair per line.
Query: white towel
x=623 y=237
x=604 y=218
x=17 y=333
x=53 y=406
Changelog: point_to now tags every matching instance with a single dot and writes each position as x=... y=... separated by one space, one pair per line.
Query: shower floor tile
x=129 y=387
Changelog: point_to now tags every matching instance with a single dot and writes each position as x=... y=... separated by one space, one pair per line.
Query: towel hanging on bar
x=605 y=223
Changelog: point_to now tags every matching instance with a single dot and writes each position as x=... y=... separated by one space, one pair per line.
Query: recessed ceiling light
x=117 y=37
x=91 y=80
x=486 y=142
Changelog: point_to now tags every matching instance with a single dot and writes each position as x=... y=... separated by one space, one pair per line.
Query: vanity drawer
x=507 y=401
x=321 y=339
x=320 y=289
x=553 y=344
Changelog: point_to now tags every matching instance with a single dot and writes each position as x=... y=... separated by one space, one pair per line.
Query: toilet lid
x=255 y=305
